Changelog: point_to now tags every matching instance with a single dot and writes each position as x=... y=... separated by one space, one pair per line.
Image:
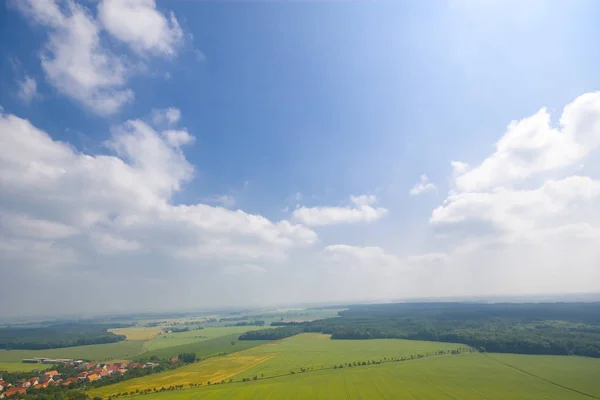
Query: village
x=83 y=372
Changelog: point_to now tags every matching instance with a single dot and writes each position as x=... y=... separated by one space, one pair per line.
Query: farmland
x=314 y=351
x=119 y=350
x=465 y=376
x=186 y=338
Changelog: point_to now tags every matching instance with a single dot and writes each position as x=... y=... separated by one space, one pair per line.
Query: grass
x=465 y=377
x=205 y=348
x=184 y=338
x=98 y=352
x=317 y=351
x=21 y=367
x=137 y=333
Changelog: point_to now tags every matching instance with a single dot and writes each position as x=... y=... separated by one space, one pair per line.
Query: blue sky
x=286 y=110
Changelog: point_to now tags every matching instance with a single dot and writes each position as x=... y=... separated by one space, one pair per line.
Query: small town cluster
x=90 y=372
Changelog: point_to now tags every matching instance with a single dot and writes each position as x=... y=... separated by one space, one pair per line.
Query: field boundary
x=591 y=396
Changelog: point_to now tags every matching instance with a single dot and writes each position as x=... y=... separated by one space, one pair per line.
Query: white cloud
x=74 y=60
x=93 y=206
x=28 y=90
x=532 y=146
x=225 y=200
x=362 y=256
x=244 y=270
x=363 y=200
x=422 y=186
x=521 y=221
x=361 y=211
x=168 y=116
x=139 y=24
x=77 y=60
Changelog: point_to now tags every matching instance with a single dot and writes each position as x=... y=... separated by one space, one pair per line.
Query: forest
x=57 y=336
x=526 y=328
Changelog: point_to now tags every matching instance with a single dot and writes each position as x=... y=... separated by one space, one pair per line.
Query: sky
x=181 y=155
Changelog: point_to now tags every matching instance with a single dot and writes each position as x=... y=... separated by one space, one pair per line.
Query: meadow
x=467 y=376
x=185 y=338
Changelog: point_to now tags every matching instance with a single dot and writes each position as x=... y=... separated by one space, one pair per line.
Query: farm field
x=137 y=333
x=317 y=351
x=183 y=338
x=314 y=351
x=570 y=371
x=204 y=348
x=21 y=367
x=100 y=352
x=211 y=370
x=466 y=376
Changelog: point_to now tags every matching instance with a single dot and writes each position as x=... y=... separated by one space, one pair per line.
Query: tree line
x=536 y=328
x=57 y=336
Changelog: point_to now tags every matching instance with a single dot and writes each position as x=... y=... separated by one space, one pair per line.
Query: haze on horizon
x=188 y=155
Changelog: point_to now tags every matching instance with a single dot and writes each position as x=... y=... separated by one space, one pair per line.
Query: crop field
x=204 y=348
x=20 y=367
x=317 y=351
x=211 y=370
x=570 y=371
x=137 y=333
x=466 y=376
x=183 y=338
x=100 y=352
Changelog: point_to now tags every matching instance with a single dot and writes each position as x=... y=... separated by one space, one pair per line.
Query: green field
x=100 y=352
x=205 y=348
x=183 y=338
x=20 y=367
x=314 y=351
x=317 y=351
x=463 y=377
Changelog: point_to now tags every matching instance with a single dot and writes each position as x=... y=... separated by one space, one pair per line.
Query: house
x=41 y=386
x=92 y=377
x=174 y=359
x=58 y=381
x=104 y=374
x=15 y=390
x=82 y=374
x=122 y=370
x=51 y=373
x=91 y=365
x=97 y=371
x=68 y=381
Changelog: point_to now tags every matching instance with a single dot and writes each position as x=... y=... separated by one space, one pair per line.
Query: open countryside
x=470 y=376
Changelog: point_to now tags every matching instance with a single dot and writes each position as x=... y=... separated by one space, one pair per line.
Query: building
x=92 y=377
x=15 y=390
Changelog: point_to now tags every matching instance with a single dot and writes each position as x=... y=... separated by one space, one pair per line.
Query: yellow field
x=137 y=333
x=210 y=370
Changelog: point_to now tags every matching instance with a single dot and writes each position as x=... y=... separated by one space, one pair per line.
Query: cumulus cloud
x=80 y=208
x=360 y=211
x=225 y=200
x=533 y=146
x=139 y=24
x=422 y=186
x=78 y=63
x=168 y=116
x=521 y=220
x=28 y=90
